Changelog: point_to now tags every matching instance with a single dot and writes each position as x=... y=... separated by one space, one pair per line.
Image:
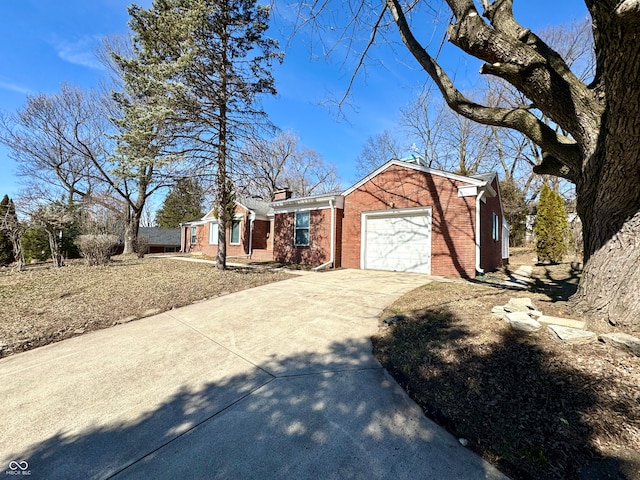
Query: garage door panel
x=399 y=242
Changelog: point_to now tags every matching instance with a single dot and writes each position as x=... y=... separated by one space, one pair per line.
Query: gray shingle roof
x=161 y=236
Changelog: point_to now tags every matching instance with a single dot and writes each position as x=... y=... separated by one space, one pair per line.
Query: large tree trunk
x=608 y=191
x=608 y=197
x=131 y=229
x=223 y=195
x=54 y=247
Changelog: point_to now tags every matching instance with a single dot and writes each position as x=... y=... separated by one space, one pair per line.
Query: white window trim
x=193 y=235
x=295 y=229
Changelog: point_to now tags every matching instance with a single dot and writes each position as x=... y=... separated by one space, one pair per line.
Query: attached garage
x=397 y=240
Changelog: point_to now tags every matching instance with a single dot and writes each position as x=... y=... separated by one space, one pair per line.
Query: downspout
x=479 y=270
x=332 y=240
x=252 y=217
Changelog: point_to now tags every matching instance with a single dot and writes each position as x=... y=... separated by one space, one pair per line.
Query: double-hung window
x=495 y=227
x=194 y=235
x=234 y=235
x=302 y=229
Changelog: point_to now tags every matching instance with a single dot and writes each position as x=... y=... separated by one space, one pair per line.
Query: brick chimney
x=282 y=194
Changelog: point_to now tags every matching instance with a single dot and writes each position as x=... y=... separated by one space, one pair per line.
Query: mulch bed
x=531 y=405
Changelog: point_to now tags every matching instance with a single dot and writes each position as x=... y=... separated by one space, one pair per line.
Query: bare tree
x=378 y=150
x=422 y=123
x=53 y=141
x=266 y=166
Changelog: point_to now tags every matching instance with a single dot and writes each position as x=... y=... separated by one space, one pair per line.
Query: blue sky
x=44 y=44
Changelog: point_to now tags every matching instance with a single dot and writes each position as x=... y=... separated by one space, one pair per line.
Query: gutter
x=332 y=240
x=479 y=270
x=252 y=217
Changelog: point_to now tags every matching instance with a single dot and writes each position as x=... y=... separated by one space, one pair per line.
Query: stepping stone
x=521 y=302
x=563 y=322
x=522 y=322
x=499 y=312
x=571 y=335
x=622 y=341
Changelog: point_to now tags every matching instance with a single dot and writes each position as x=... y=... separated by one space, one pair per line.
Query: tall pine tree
x=184 y=202
x=204 y=64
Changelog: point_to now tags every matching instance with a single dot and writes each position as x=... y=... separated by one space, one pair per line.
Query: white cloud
x=80 y=52
x=15 y=88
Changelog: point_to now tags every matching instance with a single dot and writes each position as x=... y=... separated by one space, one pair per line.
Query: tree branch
x=519 y=119
x=533 y=67
x=628 y=9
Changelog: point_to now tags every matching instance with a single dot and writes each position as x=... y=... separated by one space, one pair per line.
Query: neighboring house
x=402 y=217
x=249 y=235
x=161 y=240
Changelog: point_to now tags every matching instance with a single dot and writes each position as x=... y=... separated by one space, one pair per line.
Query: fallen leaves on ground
x=43 y=305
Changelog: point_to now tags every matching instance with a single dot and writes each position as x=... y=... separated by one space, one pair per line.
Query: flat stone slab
x=571 y=335
x=622 y=341
x=499 y=312
x=563 y=322
x=522 y=302
x=522 y=322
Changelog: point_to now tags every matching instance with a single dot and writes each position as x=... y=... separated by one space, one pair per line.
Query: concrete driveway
x=274 y=382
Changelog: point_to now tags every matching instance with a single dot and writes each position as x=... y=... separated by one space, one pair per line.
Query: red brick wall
x=318 y=251
x=491 y=250
x=453 y=235
x=260 y=230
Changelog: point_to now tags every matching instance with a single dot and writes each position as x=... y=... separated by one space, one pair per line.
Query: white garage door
x=398 y=241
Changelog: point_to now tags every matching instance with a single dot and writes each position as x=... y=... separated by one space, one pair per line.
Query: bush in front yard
x=97 y=249
x=141 y=246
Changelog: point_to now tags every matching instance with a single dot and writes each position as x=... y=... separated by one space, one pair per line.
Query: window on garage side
x=234 y=236
x=495 y=227
x=302 y=229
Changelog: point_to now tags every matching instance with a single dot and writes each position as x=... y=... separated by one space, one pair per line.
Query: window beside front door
x=213 y=233
x=302 y=229
x=234 y=235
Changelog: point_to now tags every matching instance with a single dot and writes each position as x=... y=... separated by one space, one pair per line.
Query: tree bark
x=608 y=191
x=131 y=229
x=54 y=246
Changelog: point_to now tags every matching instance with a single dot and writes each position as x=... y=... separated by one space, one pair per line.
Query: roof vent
x=416 y=159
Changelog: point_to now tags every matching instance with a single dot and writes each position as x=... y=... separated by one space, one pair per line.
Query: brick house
x=404 y=217
x=249 y=235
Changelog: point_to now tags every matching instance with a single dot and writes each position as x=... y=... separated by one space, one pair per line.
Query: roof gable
x=477 y=181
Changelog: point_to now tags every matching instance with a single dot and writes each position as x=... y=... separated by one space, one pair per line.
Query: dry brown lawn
x=531 y=405
x=44 y=305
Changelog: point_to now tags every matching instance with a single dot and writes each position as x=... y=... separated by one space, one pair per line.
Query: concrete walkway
x=277 y=382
